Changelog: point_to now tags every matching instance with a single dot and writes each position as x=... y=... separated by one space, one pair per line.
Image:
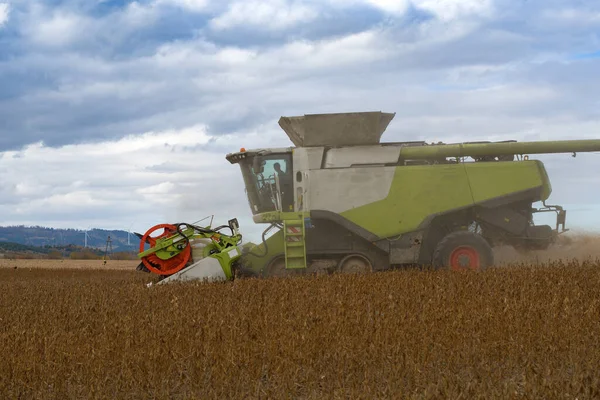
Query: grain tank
x=339 y=199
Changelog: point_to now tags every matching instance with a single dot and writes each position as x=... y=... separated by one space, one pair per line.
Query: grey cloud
x=508 y=76
x=68 y=105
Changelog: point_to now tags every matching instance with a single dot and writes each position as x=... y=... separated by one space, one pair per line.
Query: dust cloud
x=579 y=246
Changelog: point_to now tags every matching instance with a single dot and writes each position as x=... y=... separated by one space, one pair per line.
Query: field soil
x=527 y=330
x=69 y=264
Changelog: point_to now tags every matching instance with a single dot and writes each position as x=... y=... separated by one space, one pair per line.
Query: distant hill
x=9 y=247
x=37 y=236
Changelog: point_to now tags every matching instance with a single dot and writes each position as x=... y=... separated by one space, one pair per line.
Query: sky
x=118 y=115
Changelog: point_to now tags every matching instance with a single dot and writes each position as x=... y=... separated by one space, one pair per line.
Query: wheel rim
x=355 y=264
x=464 y=258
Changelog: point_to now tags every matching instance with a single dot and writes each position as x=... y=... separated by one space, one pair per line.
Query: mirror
x=233 y=224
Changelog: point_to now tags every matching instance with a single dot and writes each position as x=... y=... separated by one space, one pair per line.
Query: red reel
x=155 y=264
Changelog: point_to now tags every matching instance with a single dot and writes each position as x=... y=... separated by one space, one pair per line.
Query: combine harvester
x=339 y=200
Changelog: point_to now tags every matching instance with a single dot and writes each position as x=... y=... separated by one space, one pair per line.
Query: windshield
x=268 y=182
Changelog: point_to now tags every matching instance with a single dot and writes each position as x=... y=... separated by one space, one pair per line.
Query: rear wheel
x=463 y=250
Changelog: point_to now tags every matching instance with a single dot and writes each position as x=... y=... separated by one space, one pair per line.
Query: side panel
x=489 y=180
x=258 y=259
x=305 y=160
x=346 y=157
x=547 y=188
x=308 y=158
x=208 y=268
x=340 y=190
x=415 y=193
x=418 y=192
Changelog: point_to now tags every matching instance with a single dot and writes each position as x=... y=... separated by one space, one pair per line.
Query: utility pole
x=107 y=250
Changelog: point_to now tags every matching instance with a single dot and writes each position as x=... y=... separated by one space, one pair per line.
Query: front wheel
x=355 y=264
x=463 y=250
x=276 y=268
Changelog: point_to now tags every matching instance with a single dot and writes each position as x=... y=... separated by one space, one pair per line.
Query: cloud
x=74 y=29
x=180 y=81
x=445 y=10
x=169 y=176
x=60 y=30
x=90 y=184
x=191 y=5
x=113 y=112
x=390 y=6
x=4 y=12
x=451 y=9
x=573 y=16
x=136 y=15
x=268 y=15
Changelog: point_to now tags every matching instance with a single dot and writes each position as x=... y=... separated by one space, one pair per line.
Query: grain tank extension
x=339 y=199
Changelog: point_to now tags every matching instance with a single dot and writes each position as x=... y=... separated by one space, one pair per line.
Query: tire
x=355 y=264
x=463 y=250
x=276 y=268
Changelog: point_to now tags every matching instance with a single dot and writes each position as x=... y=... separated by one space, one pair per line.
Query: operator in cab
x=287 y=188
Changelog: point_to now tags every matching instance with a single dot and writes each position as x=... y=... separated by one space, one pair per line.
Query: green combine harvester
x=339 y=200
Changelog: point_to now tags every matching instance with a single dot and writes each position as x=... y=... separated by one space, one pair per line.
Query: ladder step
x=295 y=252
x=294 y=244
x=296 y=263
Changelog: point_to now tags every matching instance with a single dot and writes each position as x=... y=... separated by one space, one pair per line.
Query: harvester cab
x=267 y=177
x=341 y=200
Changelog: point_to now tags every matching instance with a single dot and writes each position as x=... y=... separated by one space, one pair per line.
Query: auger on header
x=340 y=200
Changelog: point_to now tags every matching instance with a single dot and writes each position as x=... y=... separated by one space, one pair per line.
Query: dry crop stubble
x=69 y=264
x=529 y=330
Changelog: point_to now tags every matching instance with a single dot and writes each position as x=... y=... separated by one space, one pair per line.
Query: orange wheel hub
x=464 y=258
x=153 y=262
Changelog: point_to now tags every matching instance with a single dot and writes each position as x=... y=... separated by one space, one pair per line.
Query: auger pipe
x=498 y=149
